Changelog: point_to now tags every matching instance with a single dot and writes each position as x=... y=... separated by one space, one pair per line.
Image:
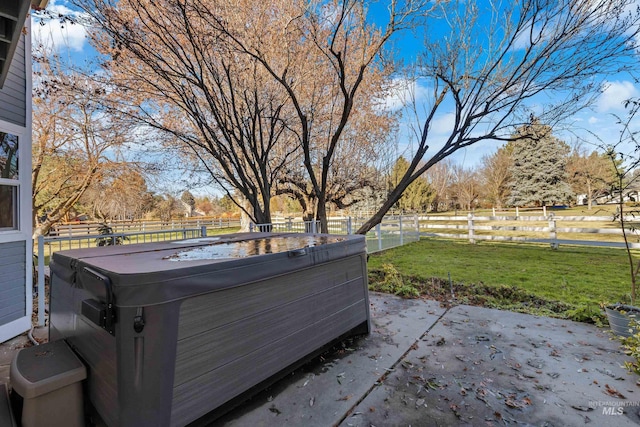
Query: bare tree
x=75 y=144
x=589 y=174
x=121 y=194
x=440 y=179
x=498 y=58
x=465 y=187
x=495 y=176
x=327 y=52
x=242 y=89
x=178 y=74
x=361 y=160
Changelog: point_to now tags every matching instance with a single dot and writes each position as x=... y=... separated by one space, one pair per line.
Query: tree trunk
x=321 y=214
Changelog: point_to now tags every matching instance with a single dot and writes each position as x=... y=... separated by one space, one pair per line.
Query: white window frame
x=23 y=185
x=25 y=228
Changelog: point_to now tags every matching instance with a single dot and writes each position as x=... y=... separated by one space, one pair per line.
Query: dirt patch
x=505 y=297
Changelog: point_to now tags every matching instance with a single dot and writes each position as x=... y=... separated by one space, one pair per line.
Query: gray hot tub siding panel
x=216 y=387
x=225 y=343
x=99 y=354
x=242 y=301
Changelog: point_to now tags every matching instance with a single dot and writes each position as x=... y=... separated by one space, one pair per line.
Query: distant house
x=189 y=211
x=15 y=167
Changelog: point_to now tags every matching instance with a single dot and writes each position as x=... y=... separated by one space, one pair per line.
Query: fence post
x=203 y=231
x=416 y=223
x=517 y=213
x=472 y=240
x=349 y=225
x=314 y=226
x=289 y=224
x=379 y=233
x=544 y=210
x=400 y=226
x=251 y=227
x=41 y=280
x=553 y=235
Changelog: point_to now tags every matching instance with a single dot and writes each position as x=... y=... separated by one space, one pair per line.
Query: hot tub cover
x=161 y=272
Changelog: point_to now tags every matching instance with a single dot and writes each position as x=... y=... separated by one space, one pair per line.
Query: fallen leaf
x=613 y=392
x=582 y=408
x=455 y=408
x=513 y=404
x=275 y=410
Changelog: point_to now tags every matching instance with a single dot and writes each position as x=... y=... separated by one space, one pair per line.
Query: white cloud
x=443 y=124
x=54 y=35
x=403 y=92
x=614 y=95
x=593 y=120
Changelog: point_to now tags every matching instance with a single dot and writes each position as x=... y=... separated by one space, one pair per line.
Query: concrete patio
x=425 y=365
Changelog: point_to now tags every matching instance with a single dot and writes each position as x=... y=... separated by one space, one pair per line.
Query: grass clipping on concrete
x=570 y=283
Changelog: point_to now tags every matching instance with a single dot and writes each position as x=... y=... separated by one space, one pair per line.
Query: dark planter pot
x=619 y=317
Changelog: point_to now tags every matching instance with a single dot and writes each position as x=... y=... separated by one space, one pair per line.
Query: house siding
x=13 y=93
x=12 y=281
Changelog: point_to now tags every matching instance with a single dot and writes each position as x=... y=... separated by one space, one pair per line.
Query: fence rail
x=88 y=228
x=391 y=232
x=540 y=229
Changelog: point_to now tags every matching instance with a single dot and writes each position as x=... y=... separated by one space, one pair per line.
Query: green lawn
x=579 y=278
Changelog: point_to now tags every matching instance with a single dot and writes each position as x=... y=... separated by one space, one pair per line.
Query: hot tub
x=174 y=330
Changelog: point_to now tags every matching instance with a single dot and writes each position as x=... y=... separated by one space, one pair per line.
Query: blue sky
x=71 y=44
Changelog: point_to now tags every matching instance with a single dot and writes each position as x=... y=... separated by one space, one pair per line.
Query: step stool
x=49 y=378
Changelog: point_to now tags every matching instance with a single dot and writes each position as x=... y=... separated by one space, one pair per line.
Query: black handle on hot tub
x=108 y=319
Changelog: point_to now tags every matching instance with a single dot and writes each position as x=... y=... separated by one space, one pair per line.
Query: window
x=9 y=184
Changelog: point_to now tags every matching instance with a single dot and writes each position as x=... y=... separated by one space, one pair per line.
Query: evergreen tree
x=539 y=175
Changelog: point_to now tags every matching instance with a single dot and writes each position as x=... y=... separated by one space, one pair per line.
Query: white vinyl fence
x=391 y=232
x=551 y=229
